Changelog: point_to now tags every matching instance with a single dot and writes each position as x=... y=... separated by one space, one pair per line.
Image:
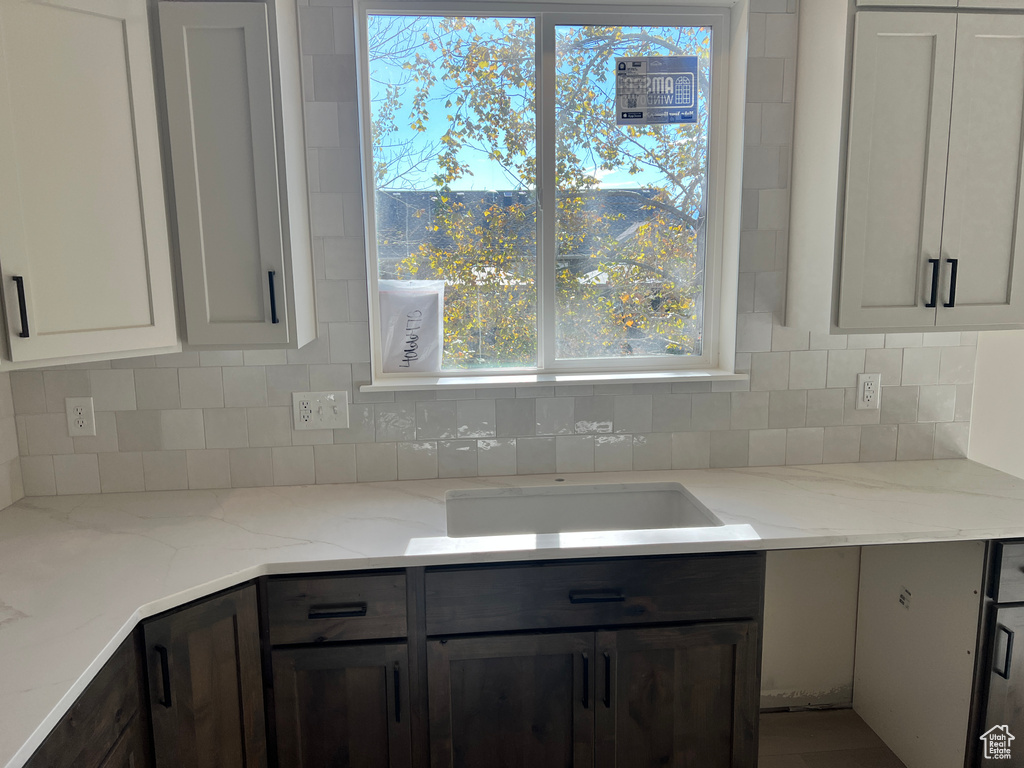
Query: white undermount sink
x=562 y=508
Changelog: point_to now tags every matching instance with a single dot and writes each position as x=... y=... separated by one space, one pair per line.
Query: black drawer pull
x=1008 y=656
x=273 y=297
x=337 y=611
x=583 y=596
x=398 y=696
x=586 y=681
x=19 y=281
x=952 y=282
x=935 y=283
x=165 y=675
x=607 y=680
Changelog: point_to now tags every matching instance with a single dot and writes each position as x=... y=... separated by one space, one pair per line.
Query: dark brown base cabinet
x=343 y=706
x=206 y=685
x=105 y=727
x=619 y=663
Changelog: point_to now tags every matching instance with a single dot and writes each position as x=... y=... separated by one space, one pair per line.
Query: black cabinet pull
x=586 y=681
x=398 y=695
x=952 y=282
x=337 y=611
x=935 y=283
x=1008 y=656
x=22 y=306
x=607 y=680
x=165 y=675
x=273 y=297
x=582 y=596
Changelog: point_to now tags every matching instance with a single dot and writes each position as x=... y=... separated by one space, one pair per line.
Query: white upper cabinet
x=896 y=167
x=83 y=228
x=981 y=235
x=979 y=4
x=933 y=188
x=243 y=226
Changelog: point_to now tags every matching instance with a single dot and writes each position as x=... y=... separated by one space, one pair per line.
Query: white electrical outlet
x=869 y=391
x=320 y=410
x=81 y=417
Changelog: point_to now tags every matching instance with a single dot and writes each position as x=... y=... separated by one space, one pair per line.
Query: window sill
x=494 y=381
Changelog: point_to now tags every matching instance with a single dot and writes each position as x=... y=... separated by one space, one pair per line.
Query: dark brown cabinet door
x=342 y=706
x=685 y=697
x=523 y=701
x=130 y=749
x=205 y=684
x=1005 y=705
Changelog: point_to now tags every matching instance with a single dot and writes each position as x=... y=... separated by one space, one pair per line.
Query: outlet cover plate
x=320 y=410
x=81 y=416
x=869 y=391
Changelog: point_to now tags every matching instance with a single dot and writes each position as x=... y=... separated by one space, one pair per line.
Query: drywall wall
x=998 y=421
x=810 y=621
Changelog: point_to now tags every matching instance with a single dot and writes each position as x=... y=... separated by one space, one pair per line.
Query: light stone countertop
x=77 y=573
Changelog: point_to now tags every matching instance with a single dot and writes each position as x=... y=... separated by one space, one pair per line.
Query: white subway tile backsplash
x=921 y=365
x=496 y=456
x=937 y=403
x=671 y=412
x=711 y=411
x=334 y=463
x=805 y=445
x=878 y=442
x=113 y=390
x=226 y=428
x=613 y=453
x=457 y=458
x=27 y=391
x=282 y=380
x=37 y=476
x=652 y=451
x=593 y=415
x=951 y=440
x=361 y=425
x=767 y=448
x=729 y=449
x=574 y=453
x=841 y=445
x=807 y=370
x=245 y=387
x=251 y=467
x=956 y=365
x=47 y=433
x=886 y=362
x=207 y=468
x=417 y=461
x=843 y=367
x=632 y=413
x=218 y=359
x=769 y=370
x=104 y=441
x=293 y=465
x=122 y=472
x=788 y=408
x=899 y=405
x=535 y=455
x=76 y=474
x=915 y=442
x=941 y=339
x=436 y=420
x=475 y=418
x=268 y=427
x=749 y=410
x=61 y=384
x=691 y=450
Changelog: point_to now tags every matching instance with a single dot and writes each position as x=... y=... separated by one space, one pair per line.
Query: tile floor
x=826 y=739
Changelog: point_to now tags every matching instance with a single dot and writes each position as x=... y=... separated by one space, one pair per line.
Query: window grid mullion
x=546 y=181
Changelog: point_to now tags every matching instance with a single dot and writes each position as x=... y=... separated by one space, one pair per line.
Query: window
x=542 y=188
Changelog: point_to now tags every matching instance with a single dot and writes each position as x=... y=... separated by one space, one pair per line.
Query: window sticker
x=654 y=90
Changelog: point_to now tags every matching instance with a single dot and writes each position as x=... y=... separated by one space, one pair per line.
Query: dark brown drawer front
x=1010 y=585
x=336 y=608
x=596 y=593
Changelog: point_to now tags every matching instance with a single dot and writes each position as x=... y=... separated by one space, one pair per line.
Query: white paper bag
x=412 y=325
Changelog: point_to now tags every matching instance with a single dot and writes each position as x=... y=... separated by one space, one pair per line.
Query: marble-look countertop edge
x=834 y=482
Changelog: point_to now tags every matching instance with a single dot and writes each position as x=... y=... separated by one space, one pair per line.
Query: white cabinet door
x=224 y=151
x=982 y=233
x=991 y=4
x=82 y=215
x=898 y=135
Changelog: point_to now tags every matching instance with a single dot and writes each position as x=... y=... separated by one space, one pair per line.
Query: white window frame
x=725 y=141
